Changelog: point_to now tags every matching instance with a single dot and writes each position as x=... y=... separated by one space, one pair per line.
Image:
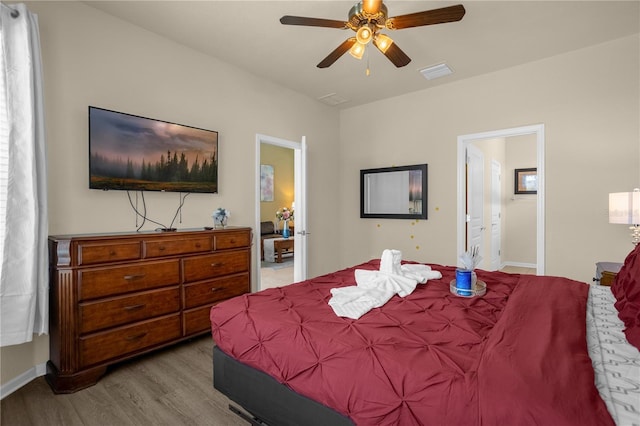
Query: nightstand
x=606 y=272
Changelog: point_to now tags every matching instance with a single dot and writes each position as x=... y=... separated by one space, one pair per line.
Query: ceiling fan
x=367 y=19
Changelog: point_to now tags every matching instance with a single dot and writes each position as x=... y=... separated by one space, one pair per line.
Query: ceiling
x=493 y=35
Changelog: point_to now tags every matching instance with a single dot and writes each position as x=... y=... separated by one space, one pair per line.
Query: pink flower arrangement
x=284 y=214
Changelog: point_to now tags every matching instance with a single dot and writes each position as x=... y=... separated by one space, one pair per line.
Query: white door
x=300 y=189
x=496 y=214
x=475 y=199
x=300 y=193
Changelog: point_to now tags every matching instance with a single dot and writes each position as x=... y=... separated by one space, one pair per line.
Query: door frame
x=300 y=190
x=463 y=141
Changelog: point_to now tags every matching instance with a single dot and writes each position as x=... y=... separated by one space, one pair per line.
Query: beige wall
x=588 y=101
x=91 y=58
x=282 y=160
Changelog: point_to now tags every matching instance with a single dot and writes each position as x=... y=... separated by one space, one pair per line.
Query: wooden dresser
x=115 y=296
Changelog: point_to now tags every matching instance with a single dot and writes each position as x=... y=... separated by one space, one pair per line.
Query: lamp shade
x=624 y=207
x=382 y=42
x=364 y=35
x=357 y=50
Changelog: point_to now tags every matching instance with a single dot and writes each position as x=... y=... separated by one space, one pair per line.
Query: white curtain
x=24 y=304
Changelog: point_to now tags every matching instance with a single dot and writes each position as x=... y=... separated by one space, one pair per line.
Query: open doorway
x=486 y=202
x=281 y=260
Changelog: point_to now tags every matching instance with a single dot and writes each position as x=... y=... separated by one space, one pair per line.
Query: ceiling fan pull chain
x=368 y=71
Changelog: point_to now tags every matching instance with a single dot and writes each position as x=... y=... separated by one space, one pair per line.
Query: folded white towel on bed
x=390 y=261
x=375 y=288
x=420 y=273
x=353 y=302
x=393 y=283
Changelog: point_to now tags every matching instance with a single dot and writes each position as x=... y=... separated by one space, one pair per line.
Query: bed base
x=254 y=421
x=268 y=401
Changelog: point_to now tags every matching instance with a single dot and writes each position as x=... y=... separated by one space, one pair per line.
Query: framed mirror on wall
x=394 y=192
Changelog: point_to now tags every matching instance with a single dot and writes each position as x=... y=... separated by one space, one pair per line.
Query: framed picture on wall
x=266 y=182
x=526 y=181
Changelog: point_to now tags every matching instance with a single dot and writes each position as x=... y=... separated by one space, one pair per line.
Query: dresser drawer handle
x=215 y=265
x=232 y=241
x=161 y=248
x=198 y=245
x=135 y=337
x=134 y=307
x=133 y=277
x=214 y=289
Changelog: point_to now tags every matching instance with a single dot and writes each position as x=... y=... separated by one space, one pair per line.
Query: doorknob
x=303 y=232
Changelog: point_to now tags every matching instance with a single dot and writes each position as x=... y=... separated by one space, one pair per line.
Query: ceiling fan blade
x=428 y=17
x=339 y=51
x=395 y=54
x=312 y=22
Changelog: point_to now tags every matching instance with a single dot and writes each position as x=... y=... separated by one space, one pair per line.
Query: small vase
x=285 y=229
x=220 y=223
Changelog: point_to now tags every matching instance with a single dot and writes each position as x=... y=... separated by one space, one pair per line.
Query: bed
x=532 y=350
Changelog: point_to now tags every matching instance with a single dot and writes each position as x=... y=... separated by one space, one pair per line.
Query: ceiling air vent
x=332 y=99
x=436 y=71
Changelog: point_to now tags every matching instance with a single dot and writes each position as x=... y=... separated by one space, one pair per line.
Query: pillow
x=267 y=228
x=626 y=289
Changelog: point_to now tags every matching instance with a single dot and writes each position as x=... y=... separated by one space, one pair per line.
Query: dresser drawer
x=232 y=240
x=197 y=320
x=103 y=346
x=208 y=292
x=93 y=253
x=200 y=268
x=116 y=311
x=157 y=248
x=110 y=281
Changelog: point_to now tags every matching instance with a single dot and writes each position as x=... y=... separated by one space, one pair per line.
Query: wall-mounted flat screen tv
x=128 y=152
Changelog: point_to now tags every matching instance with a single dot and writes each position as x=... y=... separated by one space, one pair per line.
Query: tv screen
x=128 y=152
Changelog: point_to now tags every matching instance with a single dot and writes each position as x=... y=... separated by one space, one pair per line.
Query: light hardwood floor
x=518 y=270
x=270 y=277
x=169 y=387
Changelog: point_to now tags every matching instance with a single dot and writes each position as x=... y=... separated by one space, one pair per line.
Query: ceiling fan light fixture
x=364 y=35
x=357 y=50
x=382 y=42
x=366 y=19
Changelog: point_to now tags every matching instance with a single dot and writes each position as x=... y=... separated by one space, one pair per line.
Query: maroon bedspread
x=515 y=356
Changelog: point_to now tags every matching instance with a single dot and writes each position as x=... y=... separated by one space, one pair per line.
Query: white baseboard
x=520 y=264
x=14 y=384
